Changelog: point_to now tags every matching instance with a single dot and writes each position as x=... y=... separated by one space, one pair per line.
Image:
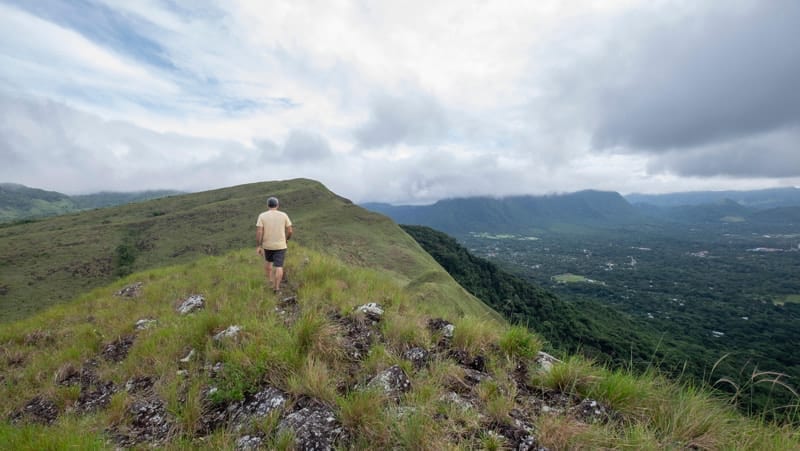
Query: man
x=273 y=229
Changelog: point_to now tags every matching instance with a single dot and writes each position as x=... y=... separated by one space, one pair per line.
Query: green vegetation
x=305 y=358
x=788 y=299
x=596 y=323
x=18 y=202
x=53 y=260
x=570 y=278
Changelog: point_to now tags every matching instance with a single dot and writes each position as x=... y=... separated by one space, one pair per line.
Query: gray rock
x=265 y=401
x=417 y=356
x=457 y=400
x=546 y=361
x=230 y=332
x=372 y=311
x=145 y=323
x=131 y=291
x=248 y=442
x=448 y=331
x=393 y=381
x=444 y=327
x=192 y=303
x=315 y=428
x=188 y=357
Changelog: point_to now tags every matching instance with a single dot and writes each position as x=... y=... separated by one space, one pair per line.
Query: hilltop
x=55 y=259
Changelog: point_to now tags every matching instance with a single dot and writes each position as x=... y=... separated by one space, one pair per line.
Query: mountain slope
x=19 y=201
x=53 y=260
x=250 y=369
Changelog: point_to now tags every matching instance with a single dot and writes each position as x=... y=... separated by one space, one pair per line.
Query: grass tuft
x=519 y=343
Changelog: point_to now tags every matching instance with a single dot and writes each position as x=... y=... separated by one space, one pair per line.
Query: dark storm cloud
x=413 y=117
x=303 y=145
x=726 y=74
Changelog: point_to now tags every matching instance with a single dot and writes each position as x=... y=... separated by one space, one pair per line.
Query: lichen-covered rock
x=393 y=381
x=457 y=400
x=248 y=443
x=239 y=414
x=150 y=424
x=192 y=303
x=95 y=396
x=315 y=428
x=230 y=332
x=38 y=410
x=372 y=311
x=130 y=291
x=116 y=351
x=441 y=326
x=265 y=401
x=145 y=323
x=417 y=356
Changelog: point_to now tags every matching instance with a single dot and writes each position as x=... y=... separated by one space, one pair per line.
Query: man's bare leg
x=278 y=277
x=268 y=271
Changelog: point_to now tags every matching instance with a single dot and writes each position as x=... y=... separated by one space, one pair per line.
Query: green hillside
x=53 y=260
x=83 y=375
x=20 y=203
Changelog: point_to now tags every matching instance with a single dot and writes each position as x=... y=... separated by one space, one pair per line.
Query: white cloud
x=402 y=101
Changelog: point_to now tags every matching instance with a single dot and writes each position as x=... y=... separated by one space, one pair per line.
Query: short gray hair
x=272 y=202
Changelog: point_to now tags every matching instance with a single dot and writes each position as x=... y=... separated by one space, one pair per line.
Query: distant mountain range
x=517 y=213
x=758 y=199
x=598 y=208
x=21 y=202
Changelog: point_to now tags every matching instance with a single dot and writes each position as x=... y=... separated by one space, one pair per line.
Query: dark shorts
x=275 y=257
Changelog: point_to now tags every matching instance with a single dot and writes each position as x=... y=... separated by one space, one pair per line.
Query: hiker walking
x=273 y=229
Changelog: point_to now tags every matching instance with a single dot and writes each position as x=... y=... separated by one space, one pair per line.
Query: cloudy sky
x=407 y=101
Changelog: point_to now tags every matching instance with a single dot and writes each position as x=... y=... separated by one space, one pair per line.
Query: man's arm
x=288 y=232
x=259 y=237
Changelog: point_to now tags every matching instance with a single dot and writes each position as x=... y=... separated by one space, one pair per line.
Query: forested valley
x=710 y=304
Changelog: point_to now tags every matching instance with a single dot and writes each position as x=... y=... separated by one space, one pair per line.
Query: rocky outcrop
x=131 y=291
x=393 y=381
x=191 y=304
x=315 y=428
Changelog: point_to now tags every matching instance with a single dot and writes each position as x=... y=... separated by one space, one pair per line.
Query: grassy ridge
x=50 y=261
x=304 y=358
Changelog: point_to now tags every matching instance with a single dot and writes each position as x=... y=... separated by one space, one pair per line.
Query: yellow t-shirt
x=274 y=223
